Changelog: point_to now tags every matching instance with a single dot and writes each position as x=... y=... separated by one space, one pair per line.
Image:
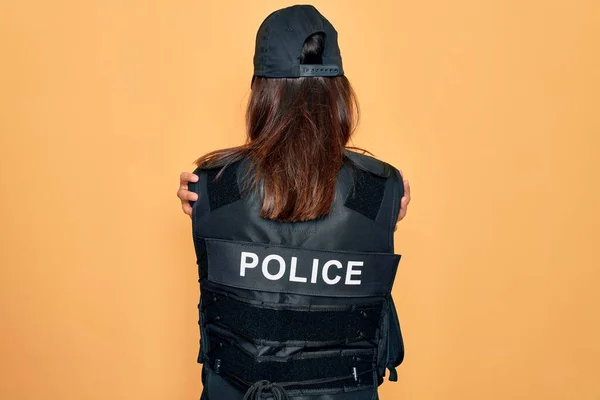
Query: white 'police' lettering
x=329 y=275
x=293 y=277
x=326 y=269
x=315 y=271
x=265 y=267
x=350 y=271
x=245 y=264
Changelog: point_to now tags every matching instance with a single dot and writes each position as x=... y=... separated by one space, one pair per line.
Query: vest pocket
x=391 y=345
x=204 y=343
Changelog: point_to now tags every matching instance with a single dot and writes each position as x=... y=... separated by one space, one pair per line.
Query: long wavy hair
x=297 y=131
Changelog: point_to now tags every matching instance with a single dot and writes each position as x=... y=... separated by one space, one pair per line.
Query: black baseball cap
x=280 y=40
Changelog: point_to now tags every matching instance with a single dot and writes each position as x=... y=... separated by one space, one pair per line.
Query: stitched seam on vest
x=271 y=343
x=305 y=292
x=345 y=389
x=309 y=356
x=268 y=245
x=293 y=307
x=326 y=391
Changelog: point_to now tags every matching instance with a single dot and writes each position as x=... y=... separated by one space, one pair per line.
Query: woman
x=293 y=233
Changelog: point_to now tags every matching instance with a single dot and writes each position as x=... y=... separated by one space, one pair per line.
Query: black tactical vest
x=298 y=310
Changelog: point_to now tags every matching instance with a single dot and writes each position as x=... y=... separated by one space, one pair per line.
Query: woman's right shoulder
x=373 y=165
x=220 y=163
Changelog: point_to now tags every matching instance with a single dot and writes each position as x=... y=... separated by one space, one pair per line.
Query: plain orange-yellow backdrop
x=491 y=108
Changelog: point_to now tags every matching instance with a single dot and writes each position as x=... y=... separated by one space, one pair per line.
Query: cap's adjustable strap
x=319 y=70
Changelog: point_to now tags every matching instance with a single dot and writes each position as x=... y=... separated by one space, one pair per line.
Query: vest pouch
x=204 y=344
x=391 y=347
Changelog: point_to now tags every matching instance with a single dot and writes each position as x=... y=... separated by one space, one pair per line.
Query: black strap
x=331 y=370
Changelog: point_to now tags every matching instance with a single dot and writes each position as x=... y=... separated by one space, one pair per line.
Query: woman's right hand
x=184 y=194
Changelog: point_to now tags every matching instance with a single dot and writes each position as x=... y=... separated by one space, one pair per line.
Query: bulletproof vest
x=298 y=310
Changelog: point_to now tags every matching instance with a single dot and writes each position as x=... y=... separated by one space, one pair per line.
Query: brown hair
x=298 y=129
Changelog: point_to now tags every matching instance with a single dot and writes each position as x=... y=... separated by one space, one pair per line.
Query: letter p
x=247 y=260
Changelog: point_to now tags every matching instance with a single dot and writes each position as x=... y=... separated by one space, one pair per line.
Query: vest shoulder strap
x=369 y=164
x=376 y=191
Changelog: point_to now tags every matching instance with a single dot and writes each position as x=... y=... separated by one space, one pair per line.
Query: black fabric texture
x=293 y=325
x=367 y=194
x=224 y=190
x=229 y=362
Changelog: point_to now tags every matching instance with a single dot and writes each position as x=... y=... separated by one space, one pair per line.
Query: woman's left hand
x=184 y=194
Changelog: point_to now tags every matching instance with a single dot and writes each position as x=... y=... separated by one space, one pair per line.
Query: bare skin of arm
x=185 y=196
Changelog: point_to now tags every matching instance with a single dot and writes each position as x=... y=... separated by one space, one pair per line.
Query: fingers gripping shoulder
x=194 y=187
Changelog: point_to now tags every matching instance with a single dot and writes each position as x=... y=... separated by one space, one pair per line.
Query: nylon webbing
x=267 y=324
x=367 y=194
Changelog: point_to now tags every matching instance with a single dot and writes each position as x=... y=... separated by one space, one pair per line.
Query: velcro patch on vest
x=281 y=269
x=224 y=190
x=367 y=194
x=307 y=326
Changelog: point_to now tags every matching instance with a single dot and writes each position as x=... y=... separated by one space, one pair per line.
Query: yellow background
x=491 y=108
